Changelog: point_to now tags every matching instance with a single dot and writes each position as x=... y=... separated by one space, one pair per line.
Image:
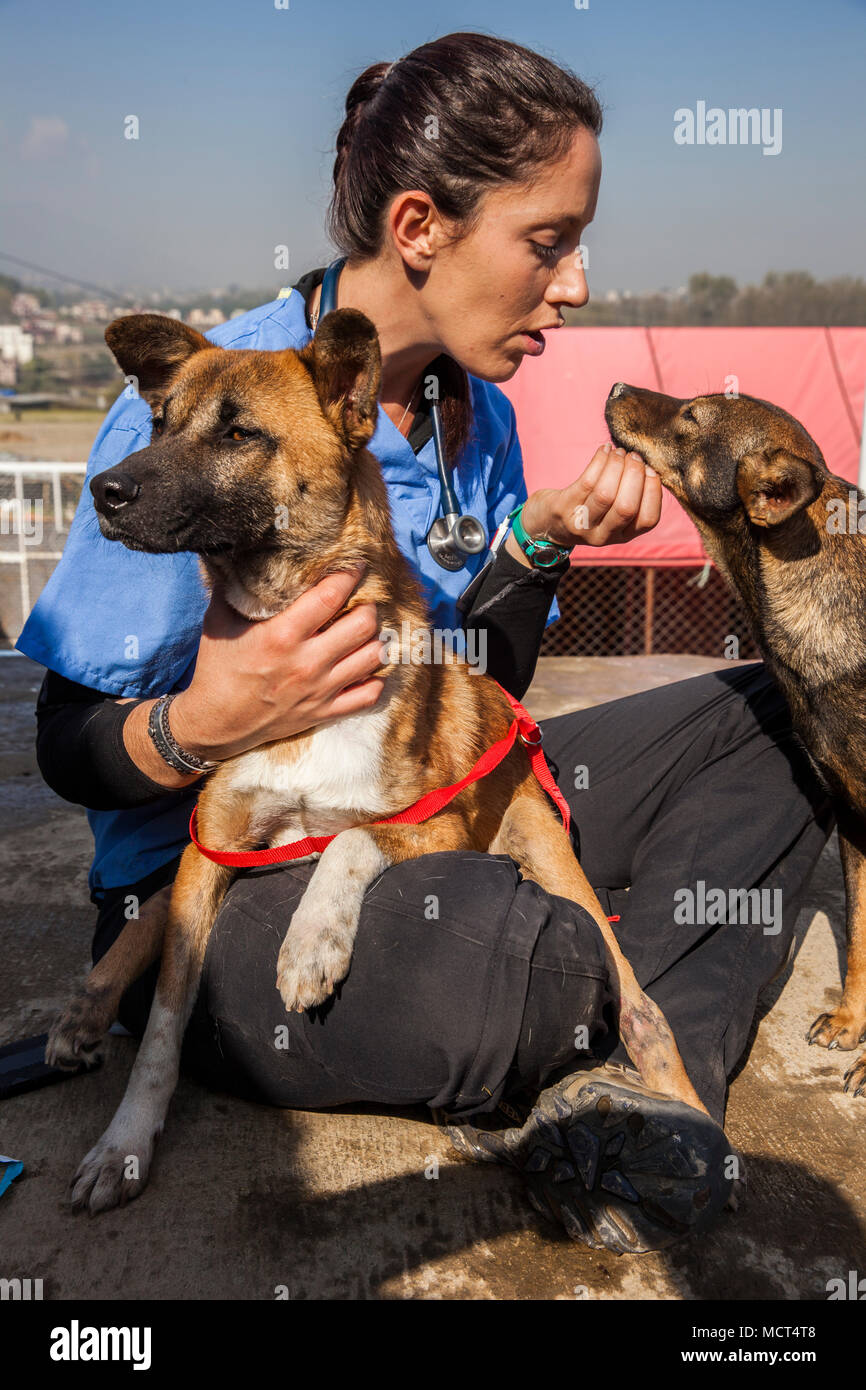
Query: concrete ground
x=336 y=1205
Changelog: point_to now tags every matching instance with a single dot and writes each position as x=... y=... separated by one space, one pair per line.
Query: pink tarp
x=818 y=374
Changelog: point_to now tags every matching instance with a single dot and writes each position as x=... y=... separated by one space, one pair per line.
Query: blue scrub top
x=129 y=623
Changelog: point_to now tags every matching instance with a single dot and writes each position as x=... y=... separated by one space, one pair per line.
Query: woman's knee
x=432 y=1006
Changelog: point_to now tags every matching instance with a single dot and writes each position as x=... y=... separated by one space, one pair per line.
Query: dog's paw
x=855 y=1077
x=841 y=1028
x=75 y=1037
x=111 y=1174
x=309 y=966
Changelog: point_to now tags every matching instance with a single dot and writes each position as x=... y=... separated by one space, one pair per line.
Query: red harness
x=524 y=727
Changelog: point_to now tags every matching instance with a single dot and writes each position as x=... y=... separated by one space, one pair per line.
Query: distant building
x=23 y=305
x=205 y=318
x=68 y=333
x=15 y=346
x=91 y=311
x=42 y=326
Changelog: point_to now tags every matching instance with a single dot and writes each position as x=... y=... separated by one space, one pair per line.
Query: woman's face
x=492 y=293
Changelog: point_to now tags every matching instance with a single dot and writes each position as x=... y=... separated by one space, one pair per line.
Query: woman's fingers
x=624 y=478
x=612 y=482
x=355 y=698
x=321 y=603
x=650 y=510
x=356 y=666
x=616 y=497
x=581 y=488
x=345 y=637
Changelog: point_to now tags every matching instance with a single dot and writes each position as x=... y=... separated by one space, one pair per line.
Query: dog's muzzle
x=113 y=490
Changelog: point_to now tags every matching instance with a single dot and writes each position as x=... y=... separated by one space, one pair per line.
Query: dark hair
x=501 y=110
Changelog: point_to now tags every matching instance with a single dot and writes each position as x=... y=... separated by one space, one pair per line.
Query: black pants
x=467 y=982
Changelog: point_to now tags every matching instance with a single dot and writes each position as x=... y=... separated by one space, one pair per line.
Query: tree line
x=791 y=297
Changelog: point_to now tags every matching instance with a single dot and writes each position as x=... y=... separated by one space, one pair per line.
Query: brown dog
x=785 y=532
x=258 y=464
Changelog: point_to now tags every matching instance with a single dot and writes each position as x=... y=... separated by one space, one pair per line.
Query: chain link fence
x=624 y=611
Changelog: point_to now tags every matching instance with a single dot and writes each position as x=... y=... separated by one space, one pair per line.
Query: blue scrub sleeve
x=117 y=620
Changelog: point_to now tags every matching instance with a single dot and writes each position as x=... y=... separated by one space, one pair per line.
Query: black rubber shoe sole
x=621 y=1167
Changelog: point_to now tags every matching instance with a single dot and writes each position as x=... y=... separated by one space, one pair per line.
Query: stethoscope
x=452 y=538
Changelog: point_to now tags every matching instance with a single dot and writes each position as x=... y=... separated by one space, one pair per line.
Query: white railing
x=24 y=554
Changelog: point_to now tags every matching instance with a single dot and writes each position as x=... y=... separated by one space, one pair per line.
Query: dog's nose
x=619 y=388
x=114 y=489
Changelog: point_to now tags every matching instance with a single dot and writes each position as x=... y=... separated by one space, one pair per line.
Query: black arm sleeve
x=80 y=748
x=510 y=608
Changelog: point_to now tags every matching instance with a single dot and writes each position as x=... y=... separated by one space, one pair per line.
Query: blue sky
x=239 y=104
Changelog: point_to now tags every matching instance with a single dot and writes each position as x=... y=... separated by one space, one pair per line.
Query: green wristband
x=543 y=554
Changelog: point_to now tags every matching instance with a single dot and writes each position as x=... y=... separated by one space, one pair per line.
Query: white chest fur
x=337 y=777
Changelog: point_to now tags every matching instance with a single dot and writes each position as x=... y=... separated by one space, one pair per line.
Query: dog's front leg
x=317 y=948
x=845 y=1026
x=117 y=1167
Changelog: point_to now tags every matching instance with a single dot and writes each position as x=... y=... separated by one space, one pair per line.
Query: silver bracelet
x=167 y=745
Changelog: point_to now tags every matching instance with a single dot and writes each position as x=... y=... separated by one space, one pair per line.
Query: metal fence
x=606 y=610
x=37 y=503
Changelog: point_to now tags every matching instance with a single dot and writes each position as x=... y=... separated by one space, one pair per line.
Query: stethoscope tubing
x=448 y=500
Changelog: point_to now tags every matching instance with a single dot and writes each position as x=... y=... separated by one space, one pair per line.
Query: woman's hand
x=616 y=498
x=259 y=681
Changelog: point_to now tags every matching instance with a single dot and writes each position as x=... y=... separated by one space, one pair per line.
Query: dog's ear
x=345 y=362
x=150 y=348
x=774 y=485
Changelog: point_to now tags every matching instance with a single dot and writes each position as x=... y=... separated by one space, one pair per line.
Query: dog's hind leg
x=77 y=1032
x=532 y=835
x=845 y=1026
x=117 y=1167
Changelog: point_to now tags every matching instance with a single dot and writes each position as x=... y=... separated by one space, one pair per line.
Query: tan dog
x=240 y=439
x=778 y=525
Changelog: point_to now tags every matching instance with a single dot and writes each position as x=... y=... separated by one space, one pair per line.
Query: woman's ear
x=774 y=485
x=150 y=348
x=345 y=362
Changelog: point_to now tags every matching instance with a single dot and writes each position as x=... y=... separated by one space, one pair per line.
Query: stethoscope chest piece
x=452 y=539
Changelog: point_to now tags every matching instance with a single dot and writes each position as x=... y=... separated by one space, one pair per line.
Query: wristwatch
x=543 y=555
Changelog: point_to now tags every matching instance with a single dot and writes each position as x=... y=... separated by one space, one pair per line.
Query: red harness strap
x=523 y=726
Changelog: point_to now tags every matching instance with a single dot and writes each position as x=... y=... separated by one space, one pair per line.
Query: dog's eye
x=158 y=426
x=239 y=435
x=688 y=414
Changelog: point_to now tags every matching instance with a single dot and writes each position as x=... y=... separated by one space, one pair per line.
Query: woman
x=465 y=177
